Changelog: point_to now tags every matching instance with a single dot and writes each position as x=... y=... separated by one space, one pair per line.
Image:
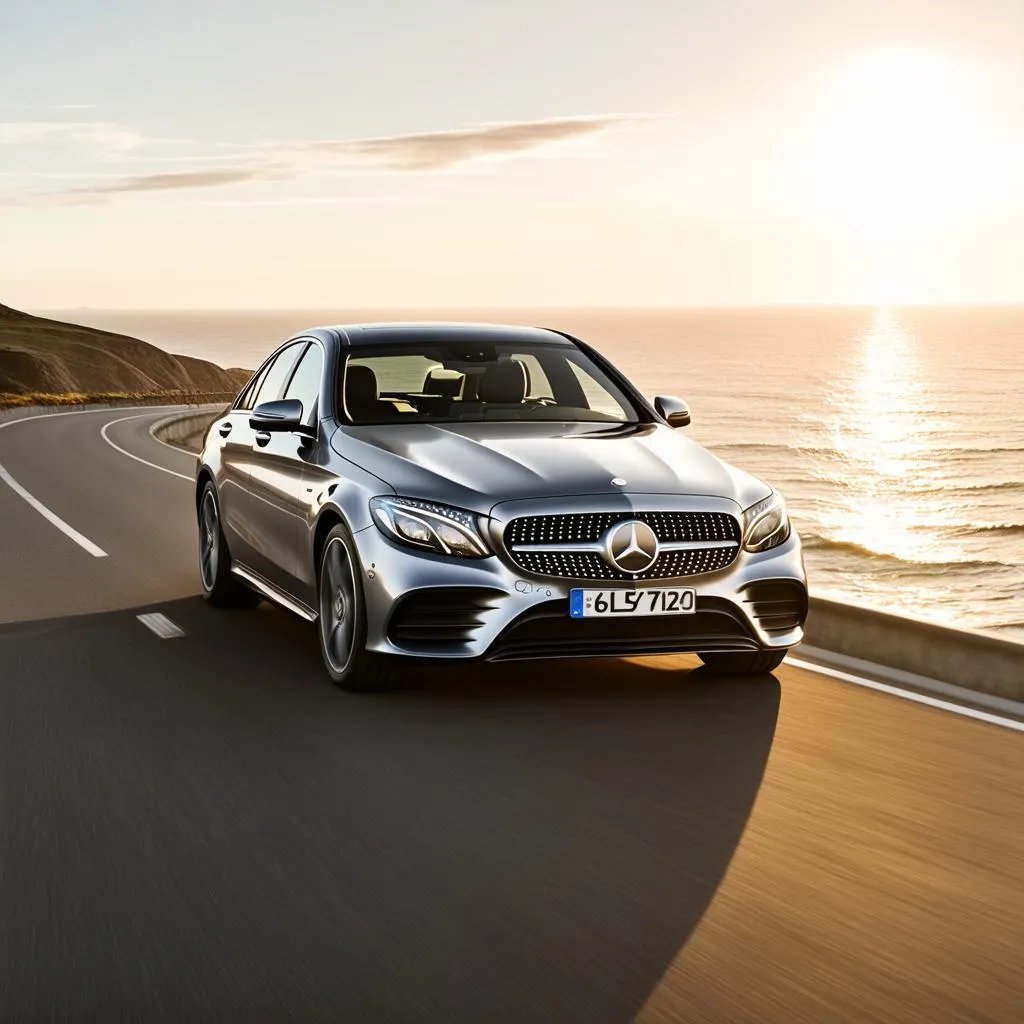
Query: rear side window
x=245 y=398
x=538 y=385
x=278 y=371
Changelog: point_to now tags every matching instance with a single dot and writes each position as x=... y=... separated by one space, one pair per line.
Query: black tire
x=341 y=622
x=744 y=663
x=220 y=588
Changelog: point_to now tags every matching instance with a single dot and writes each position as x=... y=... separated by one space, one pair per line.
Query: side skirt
x=272 y=593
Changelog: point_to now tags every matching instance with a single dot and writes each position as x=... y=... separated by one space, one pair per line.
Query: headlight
x=766 y=524
x=424 y=524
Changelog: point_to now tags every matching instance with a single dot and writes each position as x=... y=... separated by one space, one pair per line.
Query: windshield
x=459 y=381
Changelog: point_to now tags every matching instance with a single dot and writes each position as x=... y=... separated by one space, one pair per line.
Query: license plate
x=583 y=604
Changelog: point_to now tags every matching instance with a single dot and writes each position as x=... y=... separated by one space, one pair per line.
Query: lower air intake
x=778 y=606
x=437 y=619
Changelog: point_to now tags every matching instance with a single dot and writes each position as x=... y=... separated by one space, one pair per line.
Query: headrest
x=360 y=387
x=503 y=381
x=440 y=381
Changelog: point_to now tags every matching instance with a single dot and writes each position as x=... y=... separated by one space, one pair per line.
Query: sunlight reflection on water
x=881 y=424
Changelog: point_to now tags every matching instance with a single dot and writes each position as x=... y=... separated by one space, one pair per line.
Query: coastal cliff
x=50 y=361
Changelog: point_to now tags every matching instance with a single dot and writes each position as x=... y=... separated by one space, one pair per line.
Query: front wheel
x=745 y=663
x=342 y=621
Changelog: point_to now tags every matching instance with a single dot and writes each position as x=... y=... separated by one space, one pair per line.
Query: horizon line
x=528 y=307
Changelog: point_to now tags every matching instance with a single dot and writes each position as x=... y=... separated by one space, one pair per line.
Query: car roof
x=399 y=332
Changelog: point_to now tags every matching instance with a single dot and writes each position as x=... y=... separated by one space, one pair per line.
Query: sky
x=237 y=154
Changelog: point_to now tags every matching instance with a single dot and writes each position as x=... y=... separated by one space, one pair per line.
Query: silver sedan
x=487 y=492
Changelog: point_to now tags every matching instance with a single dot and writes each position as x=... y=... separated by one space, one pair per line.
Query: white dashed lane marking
x=161 y=625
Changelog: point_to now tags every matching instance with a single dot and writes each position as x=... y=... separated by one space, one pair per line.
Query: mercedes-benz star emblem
x=631 y=546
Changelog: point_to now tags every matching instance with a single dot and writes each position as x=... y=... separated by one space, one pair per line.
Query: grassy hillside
x=49 y=360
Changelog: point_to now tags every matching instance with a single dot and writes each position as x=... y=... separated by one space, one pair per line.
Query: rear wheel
x=745 y=663
x=220 y=588
x=342 y=621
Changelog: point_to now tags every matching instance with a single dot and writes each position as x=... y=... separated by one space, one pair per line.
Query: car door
x=274 y=502
x=305 y=386
x=235 y=454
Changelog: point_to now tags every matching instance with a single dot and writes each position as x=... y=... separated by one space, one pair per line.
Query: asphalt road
x=203 y=829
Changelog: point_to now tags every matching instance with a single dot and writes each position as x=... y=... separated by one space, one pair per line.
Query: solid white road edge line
x=862 y=668
x=145 y=462
x=161 y=625
x=918 y=698
x=69 y=531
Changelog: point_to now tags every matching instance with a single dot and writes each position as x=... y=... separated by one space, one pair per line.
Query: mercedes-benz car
x=461 y=491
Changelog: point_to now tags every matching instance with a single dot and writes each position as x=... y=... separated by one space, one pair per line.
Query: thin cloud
x=431 y=151
x=422 y=152
x=292 y=201
x=104 y=134
x=169 y=181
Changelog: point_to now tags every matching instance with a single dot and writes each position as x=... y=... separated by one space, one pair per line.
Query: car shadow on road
x=205 y=828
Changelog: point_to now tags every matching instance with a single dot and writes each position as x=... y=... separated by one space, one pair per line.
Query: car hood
x=476 y=465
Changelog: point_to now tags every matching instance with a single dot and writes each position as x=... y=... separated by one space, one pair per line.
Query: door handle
x=225 y=429
x=262 y=437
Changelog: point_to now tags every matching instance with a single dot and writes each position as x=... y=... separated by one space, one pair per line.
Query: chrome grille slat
x=568 y=546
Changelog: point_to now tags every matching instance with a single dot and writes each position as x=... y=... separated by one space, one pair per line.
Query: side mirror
x=674 y=411
x=285 y=414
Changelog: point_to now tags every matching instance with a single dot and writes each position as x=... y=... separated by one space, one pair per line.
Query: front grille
x=587 y=566
x=591 y=526
x=559 y=531
x=548 y=631
x=778 y=606
x=437 y=619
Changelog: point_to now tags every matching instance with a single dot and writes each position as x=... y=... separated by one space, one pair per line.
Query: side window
x=277 y=373
x=305 y=382
x=245 y=398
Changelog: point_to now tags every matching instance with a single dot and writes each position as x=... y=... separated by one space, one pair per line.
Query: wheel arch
x=203 y=477
x=329 y=517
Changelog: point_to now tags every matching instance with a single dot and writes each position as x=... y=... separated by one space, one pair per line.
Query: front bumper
x=430 y=606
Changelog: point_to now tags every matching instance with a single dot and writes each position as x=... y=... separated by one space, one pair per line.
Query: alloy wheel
x=337 y=605
x=209 y=540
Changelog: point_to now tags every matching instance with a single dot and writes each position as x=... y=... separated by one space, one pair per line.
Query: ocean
x=895 y=434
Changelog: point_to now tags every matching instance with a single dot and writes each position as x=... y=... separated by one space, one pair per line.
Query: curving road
x=202 y=829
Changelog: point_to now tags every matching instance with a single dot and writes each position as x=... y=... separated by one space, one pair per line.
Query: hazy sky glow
x=222 y=154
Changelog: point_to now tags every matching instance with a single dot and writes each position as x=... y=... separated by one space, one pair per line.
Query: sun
x=902 y=143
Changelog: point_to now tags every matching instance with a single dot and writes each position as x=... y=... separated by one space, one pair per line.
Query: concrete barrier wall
x=187 y=430
x=17 y=412
x=966 y=658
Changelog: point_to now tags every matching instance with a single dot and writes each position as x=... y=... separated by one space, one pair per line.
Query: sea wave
x=754 y=446
x=991 y=529
x=986 y=451
x=1003 y=485
x=979 y=530
x=816 y=542
x=808 y=449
